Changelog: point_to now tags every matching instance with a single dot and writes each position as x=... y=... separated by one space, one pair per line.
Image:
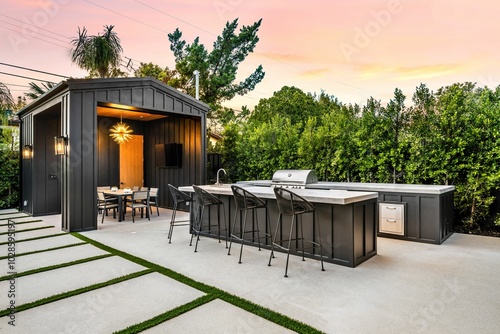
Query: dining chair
x=153 y=200
x=140 y=200
x=104 y=205
x=109 y=199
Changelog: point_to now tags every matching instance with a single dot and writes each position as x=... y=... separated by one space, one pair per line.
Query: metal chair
x=246 y=201
x=293 y=205
x=204 y=199
x=153 y=200
x=140 y=200
x=104 y=205
x=179 y=198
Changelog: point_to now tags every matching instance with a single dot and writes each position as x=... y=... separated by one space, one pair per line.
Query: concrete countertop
x=341 y=197
x=361 y=186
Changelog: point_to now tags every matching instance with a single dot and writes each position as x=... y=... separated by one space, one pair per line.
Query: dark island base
x=348 y=232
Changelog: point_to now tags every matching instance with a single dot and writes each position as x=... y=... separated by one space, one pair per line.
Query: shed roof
x=113 y=83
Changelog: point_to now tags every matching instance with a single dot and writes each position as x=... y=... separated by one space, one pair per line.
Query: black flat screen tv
x=168 y=155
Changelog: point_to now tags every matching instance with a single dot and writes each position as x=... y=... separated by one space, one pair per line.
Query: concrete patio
x=407 y=288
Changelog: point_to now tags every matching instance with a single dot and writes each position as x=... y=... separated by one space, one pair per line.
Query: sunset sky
x=350 y=49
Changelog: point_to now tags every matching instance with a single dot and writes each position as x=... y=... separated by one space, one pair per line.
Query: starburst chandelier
x=121 y=132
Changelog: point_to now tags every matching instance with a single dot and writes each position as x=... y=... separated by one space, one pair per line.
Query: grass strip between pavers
x=213 y=292
x=7 y=218
x=75 y=292
x=137 y=328
x=23 y=222
x=27 y=230
x=10 y=213
x=45 y=250
x=35 y=238
x=55 y=266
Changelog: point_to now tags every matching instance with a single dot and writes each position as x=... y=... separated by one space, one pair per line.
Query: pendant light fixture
x=121 y=132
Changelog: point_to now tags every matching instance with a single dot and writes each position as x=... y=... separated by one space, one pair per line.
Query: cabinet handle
x=390 y=220
x=390 y=208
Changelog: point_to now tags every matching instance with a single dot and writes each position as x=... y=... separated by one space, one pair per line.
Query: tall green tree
x=217 y=68
x=290 y=102
x=101 y=53
x=164 y=75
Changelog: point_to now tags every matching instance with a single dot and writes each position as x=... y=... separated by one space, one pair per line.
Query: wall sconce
x=27 y=152
x=60 y=143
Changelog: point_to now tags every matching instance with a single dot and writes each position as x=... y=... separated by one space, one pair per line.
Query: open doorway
x=132 y=162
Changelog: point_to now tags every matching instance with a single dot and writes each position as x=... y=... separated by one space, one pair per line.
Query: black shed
x=168 y=146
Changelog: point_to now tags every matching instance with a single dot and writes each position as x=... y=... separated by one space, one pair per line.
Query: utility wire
x=33 y=70
x=38 y=38
x=22 y=76
x=38 y=33
x=37 y=27
x=128 y=17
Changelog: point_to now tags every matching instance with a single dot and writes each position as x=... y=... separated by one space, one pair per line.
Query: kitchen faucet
x=218 y=183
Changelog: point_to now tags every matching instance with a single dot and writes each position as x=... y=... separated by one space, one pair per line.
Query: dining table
x=120 y=195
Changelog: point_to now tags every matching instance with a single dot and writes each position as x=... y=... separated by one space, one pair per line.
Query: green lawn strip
x=12 y=213
x=75 y=292
x=23 y=222
x=242 y=303
x=17 y=217
x=55 y=266
x=35 y=238
x=27 y=230
x=167 y=315
x=45 y=250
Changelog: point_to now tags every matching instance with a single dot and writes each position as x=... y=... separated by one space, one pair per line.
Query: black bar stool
x=203 y=199
x=246 y=201
x=179 y=197
x=293 y=205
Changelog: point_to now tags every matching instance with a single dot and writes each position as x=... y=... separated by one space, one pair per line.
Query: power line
x=33 y=70
x=22 y=76
x=264 y=55
x=128 y=17
x=37 y=27
x=38 y=38
x=38 y=33
x=10 y=84
x=176 y=18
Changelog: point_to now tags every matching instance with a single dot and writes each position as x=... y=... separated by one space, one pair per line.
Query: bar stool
x=293 y=205
x=246 y=201
x=204 y=199
x=179 y=197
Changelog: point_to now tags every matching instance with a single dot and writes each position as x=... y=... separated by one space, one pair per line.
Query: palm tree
x=36 y=91
x=101 y=53
x=5 y=97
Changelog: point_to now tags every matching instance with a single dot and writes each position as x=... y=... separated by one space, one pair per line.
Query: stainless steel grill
x=293 y=178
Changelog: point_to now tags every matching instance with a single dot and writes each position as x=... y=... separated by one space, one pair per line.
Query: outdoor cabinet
x=391 y=218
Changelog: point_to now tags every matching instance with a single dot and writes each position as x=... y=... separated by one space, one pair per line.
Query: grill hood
x=294 y=177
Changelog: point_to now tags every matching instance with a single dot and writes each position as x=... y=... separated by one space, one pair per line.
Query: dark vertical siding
x=173 y=130
x=90 y=160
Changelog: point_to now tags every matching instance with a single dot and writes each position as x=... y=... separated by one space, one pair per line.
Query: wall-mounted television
x=168 y=155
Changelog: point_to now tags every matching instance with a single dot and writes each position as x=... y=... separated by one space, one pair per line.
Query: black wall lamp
x=60 y=144
x=27 y=152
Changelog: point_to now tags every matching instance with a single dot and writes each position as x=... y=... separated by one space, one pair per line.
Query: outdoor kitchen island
x=348 y=221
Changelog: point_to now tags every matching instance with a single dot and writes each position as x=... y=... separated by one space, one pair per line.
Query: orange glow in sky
x=349 y=49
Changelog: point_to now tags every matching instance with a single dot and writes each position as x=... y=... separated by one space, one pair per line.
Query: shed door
x=132 y=162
